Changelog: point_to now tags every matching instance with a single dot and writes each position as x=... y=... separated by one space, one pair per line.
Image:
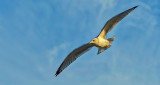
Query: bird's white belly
x=103 y=42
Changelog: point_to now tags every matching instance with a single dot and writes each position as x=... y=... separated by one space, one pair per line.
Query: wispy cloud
x=106 y=4
x=56 y=51
x=36 y=36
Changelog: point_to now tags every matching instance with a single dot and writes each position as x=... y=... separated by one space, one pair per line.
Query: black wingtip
x=133 y=7
x=136 y=6
x=98 y=53
x=57 y=73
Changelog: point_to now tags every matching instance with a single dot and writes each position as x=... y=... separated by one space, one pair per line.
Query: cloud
x=106 y=4
x=132 y=59
x=55 y=52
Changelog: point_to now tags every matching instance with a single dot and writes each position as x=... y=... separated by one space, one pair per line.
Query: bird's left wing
x=113 y=21
x=73 y=56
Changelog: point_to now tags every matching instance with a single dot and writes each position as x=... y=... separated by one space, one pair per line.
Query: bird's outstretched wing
x=113 y=21
x=73 y=56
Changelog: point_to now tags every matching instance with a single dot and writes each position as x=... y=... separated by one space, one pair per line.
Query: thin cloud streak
x=37 y=36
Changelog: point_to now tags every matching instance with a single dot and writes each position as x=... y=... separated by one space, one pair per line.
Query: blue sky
x=36 y=36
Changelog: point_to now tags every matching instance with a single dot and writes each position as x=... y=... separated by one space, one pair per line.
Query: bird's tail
x=111 y=40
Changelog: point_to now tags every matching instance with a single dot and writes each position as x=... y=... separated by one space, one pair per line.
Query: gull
x=100 y=41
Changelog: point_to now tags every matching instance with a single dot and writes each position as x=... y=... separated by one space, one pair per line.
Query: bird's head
x=94 y=41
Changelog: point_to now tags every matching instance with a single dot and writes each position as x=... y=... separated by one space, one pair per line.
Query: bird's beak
x=91 y=42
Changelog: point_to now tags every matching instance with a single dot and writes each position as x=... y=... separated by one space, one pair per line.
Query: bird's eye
x=93 y=40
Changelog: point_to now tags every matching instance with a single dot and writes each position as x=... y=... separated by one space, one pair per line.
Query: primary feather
x=73 y=56
x=113 y=21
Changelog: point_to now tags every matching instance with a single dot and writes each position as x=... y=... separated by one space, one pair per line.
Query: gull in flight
x=100 y=41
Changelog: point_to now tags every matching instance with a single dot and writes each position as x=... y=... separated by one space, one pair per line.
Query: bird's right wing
x=113 y=21
x=73 y=56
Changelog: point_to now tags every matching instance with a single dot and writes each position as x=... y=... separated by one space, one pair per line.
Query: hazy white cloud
x=132 y=60
x=55 y=52
x=106 y=4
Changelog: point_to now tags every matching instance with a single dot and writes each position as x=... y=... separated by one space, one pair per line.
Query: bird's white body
x=102 y=43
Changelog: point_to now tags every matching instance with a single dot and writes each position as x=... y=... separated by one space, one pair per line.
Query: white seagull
x=100 y=41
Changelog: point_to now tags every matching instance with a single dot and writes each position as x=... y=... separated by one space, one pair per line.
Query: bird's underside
x=99 y=41
x=101 y=49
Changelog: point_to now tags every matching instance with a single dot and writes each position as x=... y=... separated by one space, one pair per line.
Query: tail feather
x=100 y=50
x=111 y=40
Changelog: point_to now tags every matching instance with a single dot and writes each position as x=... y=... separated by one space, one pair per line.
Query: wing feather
x=73 y=56
x=113 y=21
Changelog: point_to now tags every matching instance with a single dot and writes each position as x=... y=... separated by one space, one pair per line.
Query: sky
x=37 y=35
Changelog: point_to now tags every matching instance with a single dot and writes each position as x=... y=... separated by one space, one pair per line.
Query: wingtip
x=98 y=53
x=57 y=73
x=136 y=6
